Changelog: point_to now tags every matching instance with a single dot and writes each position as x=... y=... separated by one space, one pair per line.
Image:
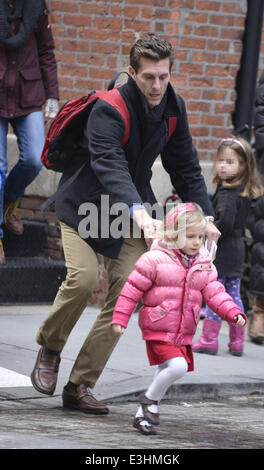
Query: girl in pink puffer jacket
x=172 y=279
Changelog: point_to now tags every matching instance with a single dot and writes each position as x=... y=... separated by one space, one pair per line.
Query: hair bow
x=188 y=206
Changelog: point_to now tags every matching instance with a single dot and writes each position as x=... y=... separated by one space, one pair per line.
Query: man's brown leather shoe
x=45 y=373
x=79 y=397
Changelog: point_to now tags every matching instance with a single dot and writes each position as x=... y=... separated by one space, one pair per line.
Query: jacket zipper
x=184 y=286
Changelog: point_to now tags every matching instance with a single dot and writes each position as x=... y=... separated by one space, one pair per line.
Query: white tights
x=165 y=375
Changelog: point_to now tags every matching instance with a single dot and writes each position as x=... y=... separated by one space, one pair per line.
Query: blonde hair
x=248 y=177
x=179 y=219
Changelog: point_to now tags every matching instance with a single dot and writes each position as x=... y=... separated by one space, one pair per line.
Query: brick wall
x=93 y=39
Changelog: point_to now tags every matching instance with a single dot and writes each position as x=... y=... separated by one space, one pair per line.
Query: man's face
x=152 y=78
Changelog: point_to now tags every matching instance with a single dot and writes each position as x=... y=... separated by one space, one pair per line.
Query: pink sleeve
x=236 y=311
x=139 y=281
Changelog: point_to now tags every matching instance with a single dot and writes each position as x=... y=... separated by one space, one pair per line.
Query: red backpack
x=67 y=127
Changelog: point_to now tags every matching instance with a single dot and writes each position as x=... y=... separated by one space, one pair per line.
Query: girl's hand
x=240 y=321
x=118 y=329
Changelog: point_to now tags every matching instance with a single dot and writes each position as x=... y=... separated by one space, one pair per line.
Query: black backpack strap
x=114 y=79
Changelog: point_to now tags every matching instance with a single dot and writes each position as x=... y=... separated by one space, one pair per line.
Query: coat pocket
x=156 y=315
x=165 y=317
x=191 y=319
x=196 y=313
x=32 y=93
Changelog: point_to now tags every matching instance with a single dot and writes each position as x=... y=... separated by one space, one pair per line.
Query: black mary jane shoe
x=145 y=429
x=152 y=418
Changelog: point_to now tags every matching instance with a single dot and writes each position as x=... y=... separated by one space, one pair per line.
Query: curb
x=196 y=391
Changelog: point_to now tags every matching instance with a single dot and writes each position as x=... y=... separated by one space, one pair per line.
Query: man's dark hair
x=150 y=47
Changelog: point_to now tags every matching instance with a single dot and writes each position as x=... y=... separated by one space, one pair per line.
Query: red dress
x=159 y=352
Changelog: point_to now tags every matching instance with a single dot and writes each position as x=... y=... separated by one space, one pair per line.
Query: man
x=124 y=174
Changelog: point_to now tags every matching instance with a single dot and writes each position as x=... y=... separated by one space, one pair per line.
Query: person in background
x=172 y=279
x=28 y=80
x=256 y=226
x=258 y=123
x=238 y=183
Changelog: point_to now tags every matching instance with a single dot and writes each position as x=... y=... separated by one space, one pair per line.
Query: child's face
x=227 y=164
x=193 y=240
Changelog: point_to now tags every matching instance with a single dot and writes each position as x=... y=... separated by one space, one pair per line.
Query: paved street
x=230 y=423
x=218 y=406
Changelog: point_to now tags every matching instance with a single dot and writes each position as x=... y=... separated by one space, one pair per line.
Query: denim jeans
x=30 y=134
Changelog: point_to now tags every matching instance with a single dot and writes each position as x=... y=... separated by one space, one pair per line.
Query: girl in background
x=238 y=182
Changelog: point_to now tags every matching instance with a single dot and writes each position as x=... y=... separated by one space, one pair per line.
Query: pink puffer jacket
x=172 y=295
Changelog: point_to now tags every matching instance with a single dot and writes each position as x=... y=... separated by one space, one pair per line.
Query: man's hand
x=212 y=233
x=146 y=223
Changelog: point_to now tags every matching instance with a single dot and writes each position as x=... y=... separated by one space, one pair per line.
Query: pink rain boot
x=236 y=334
x=208 y=343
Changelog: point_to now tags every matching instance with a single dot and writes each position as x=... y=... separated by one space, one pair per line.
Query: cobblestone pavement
x=233 y=423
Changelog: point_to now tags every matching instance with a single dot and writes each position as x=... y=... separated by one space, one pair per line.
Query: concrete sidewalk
x=127 y=372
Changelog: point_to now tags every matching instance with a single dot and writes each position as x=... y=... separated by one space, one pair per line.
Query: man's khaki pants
x=73 y=296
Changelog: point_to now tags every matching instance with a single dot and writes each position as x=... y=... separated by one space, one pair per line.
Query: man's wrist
x=135 y=207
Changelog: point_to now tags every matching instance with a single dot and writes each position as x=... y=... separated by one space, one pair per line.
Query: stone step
x=31 y=243
x=30 y=280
